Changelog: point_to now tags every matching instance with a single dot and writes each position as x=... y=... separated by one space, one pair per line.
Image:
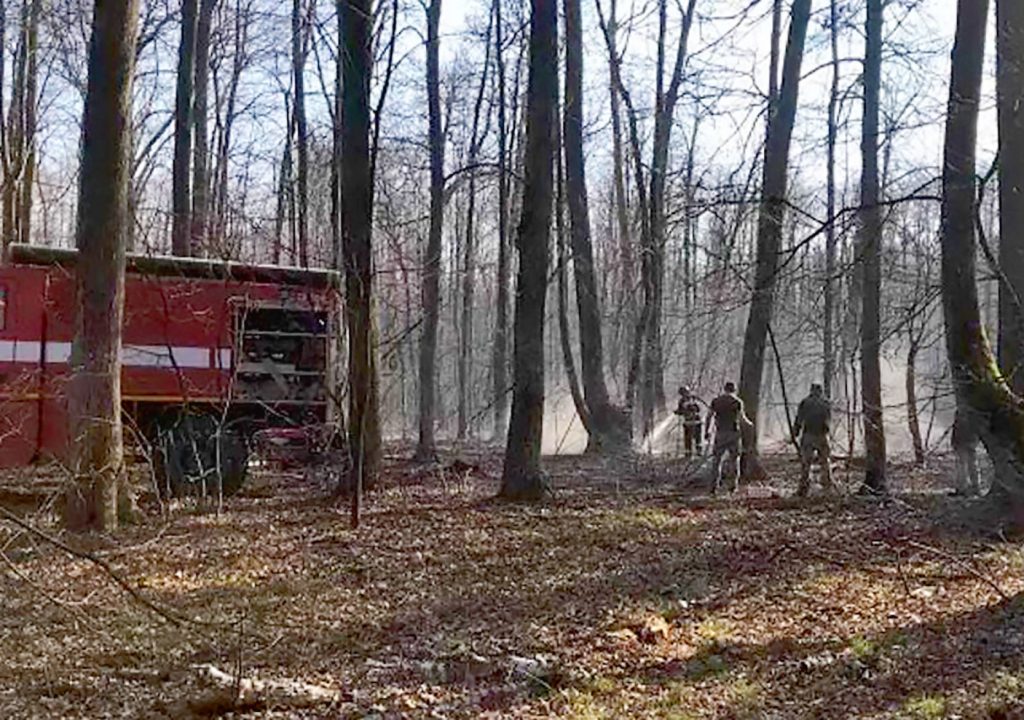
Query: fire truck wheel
x=196 y=456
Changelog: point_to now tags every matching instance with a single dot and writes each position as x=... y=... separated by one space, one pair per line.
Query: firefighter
x=689 y=411
x=729 y=416
x=813 y=418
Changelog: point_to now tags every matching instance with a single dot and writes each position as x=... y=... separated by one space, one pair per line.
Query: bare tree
x=357 y=224
x=522 y=477
x=499 y=355
x=607 y=426
x=94 y=396
x=200 y=116
x=1010 y=88
x=772 y=211
x=181 y=201
x=646 y=364
x=980 y=387
x=299 y=51
x=425 y=449
x=871 y=251
x=828 y=332
x=477 y=136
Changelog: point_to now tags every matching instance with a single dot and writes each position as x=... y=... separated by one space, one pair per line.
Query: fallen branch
x=234 y=693
x=961 y=564
x=167 y=614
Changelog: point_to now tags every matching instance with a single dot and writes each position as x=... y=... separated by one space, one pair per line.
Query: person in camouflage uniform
x=813 y=421
x=727 y=413
x=689 y=410
x=964 y=440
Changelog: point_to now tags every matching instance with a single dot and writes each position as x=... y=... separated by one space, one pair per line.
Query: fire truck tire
x=194 y=455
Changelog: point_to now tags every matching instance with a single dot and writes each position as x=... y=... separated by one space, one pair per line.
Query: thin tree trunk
x=653 y=384
x=913 y=414
x=336 y=159
x=425 y=449
x=870 y=244
x=181 y=200
x=15 y=136
x=284 y=183
x=301 y=133
x=469 y=251
x=1010 y=89
x=522 y=477
x=564 y=330
x=772 y=212
x=94 y=396
x=238 y=65
x=29 y=103
x=200 y=116
x=828 y=333
x=609 y=428
x=626 y=305
x=499 y=357
x=357 y=224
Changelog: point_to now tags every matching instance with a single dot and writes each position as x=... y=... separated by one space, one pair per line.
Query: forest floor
x=629 y=594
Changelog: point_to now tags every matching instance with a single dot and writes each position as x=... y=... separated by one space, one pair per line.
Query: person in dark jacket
x=728 y=415
x=811 y=428
x=690 y=413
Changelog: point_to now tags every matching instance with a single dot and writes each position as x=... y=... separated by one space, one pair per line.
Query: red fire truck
x=212 y=352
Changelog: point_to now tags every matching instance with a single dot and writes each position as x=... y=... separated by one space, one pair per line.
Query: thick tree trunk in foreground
x=609 y=428
x=870 y=245
x=1010 y=89
x=181 y=194
x=772 y=212
x=94 y=396
x=425 y=449
x=980 y=387
x=522 y=478
x=357 y=224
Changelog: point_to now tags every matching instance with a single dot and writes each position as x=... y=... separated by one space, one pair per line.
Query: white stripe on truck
x=184 y=357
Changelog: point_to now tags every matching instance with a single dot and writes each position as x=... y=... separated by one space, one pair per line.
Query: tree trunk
x=181 y=200
x=200 y=117
x=299 y=33
x=1010 y=89
x=29 y=105
x=913 y=416
x=979 y=385
x=609 y=429
x=238 y=64
x=499 y=356
x=94 y=397
x=425 y=449
x=469 y=250
x=772 y=212
x=336 y=159
x=870 y=244
x=828 y=332
x=357 y=224
x=522 y=477
x=652 y=386
x=626 y=305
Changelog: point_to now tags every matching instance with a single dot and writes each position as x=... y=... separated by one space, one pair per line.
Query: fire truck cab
x=212 y=352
